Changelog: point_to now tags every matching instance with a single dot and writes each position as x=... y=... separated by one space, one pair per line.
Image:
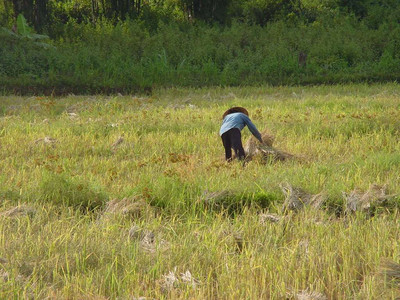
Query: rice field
x=129 y=197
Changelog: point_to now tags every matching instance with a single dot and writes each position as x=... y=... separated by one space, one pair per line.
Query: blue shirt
x=239 y=121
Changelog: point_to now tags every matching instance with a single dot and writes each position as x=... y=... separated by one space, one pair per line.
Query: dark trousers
x=233 y=139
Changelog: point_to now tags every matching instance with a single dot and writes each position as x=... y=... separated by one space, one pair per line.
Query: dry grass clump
x=358 y=200
x=239 y=241
x=390 y=270
x=217 y=200
x=6 y=277
x=143 y=235
x=130 y=207
x=265 y=218
x=21 y=210
x=274 y=154
x=253 y=149
x=46 y=140
x=252 y=142
x=308 y=295
x=119 y=141
x=212 y=197
x=171 y=280
x=233 y=239
x=178 y=157
x=148 y=241
x=296 y=198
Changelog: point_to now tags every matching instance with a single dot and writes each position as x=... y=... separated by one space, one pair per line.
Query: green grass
x=170 y=158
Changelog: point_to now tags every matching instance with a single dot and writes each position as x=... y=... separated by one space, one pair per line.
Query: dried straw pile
x=131 y=207
x=296 y=198
x=358 y=200
x=390 y=270
x=265 y=151
x=18 y=211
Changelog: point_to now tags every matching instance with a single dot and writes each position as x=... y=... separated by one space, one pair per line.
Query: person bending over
x=234 y=120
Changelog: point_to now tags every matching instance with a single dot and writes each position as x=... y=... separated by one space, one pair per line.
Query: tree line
x=45 y=14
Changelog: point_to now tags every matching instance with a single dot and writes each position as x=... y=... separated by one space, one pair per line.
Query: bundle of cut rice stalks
x=265 y=151
x=296 y=198
x=377 y=195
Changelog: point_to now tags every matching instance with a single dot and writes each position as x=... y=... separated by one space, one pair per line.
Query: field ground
x=109 y=197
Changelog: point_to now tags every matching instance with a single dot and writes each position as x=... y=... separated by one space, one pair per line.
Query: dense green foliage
x=181 y=43
x=51 y=14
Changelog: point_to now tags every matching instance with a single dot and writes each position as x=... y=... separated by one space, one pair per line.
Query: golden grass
x=129 y=197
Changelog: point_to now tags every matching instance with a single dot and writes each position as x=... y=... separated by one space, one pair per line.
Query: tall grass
x=129 y=57
x=57 y=155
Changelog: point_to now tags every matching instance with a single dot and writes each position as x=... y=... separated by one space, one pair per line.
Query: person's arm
x=252 y=128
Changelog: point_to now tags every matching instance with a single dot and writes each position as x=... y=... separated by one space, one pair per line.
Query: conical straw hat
x=235 y=109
